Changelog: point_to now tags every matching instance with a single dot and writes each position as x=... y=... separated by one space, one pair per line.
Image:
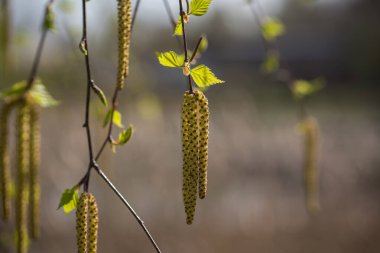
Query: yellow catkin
x=203 y=142
x=22 y=194
x=185 y=149
x=5 y=170
x=82 y=223
x=311 y=173
x=93 y=222
x=35 y=192
x=124 y=8
x=190 y=139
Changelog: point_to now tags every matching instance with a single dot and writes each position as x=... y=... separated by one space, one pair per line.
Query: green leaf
x=41 y=96
x=199 y=7
x=178 y=27
x=203 y=76
x=271 y=63
x=126 y=135
x=272 y=28
x=117 y=119
x=100 y=94
x=49 y=22
x=303 y=88
x=69 y=199
x=170 y=59
x=14 y=92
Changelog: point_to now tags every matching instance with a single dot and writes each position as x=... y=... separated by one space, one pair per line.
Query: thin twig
x=135 y=11
x=196 y=49
x=92 y=163
x=37 y=58
x=126 y=203
x=182 y=13
x=170 y=13
x=90 y=83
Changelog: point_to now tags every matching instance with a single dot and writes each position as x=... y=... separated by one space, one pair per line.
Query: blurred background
x=256 y=200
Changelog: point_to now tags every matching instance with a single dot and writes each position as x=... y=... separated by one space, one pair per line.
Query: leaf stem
x=182 y=13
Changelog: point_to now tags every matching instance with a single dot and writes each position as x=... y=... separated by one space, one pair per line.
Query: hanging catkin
x=124 y=8
x=34 y=172
x=186 y=152
x=203 y=142
x=5 y=171
x=190 y=155
x=92 y=225
x=82 y=223
x=311 y=173
x=87 y=224
x=22 y=195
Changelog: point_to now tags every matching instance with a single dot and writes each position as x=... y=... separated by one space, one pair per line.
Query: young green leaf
x=100 y=94
x=14 y=92
x=199 y=7
x=41 y=96
x=117 y=119
x=170 y=59
x=178 y=27
x=82 y=47
x=272 y=28
x=303 y=88
x=203 y=76
x=126 y=135
x=49 y=22
x=69 y=199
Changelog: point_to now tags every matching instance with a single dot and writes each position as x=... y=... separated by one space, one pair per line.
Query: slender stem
x=182 y=13
x=37 y=58
x=126 y=203
x=196 y=49
x=135 y=11
x=187 y=7
x=90 y=83
x=170 y=14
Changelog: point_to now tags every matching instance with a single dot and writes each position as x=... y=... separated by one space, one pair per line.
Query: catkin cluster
x=27 y=169
x=87 y=224
x=195 y=124
x=311 y=173
x=124 y=8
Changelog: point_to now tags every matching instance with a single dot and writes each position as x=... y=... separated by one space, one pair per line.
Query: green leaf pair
x=197 y=8
x=201 y=74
